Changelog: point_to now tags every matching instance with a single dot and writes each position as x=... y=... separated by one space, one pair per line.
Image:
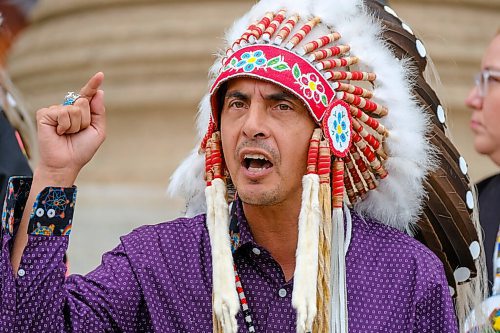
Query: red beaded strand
x=351 y=195
x=352 y=76
x=320 y=42
x=366 y=119
x=312 y=154
x=362 y=103
x=370 y=155
x=216 y=156
x=209 y=174
x=369 y=138
x=286 y=29
x=356 y=179
x=274 y=25
x=362 y=168
x=341 y=62
x=338 y=183
x=341 y=86
x=329 y=52
x=260 y=27
x=303 y=32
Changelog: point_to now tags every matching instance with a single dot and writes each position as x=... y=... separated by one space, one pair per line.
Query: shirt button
x=256 y=251
x=21 y=272
x=282 y=293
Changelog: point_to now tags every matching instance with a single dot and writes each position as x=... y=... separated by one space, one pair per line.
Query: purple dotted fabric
x=158 y=279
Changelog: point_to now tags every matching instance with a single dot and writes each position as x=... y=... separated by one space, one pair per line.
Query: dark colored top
x=12 y=160
x=489 y=216
x=159 y=278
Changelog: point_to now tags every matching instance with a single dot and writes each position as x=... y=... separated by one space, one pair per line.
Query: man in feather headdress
x=313 y=153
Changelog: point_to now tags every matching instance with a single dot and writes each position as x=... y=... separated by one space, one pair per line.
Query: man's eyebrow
x=282 y=96
x=236 y=94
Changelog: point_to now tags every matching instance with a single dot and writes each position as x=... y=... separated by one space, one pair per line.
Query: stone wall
x=155 y=55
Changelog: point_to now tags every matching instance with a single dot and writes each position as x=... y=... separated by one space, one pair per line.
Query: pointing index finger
x=92 y=86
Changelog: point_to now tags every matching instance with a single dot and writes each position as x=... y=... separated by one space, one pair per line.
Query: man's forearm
x=41 y=179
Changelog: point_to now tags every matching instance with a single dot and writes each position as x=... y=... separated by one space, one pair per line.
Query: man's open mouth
x=256 y=162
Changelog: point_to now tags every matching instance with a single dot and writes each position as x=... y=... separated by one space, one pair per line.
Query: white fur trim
x=226 y=303
x=188 y=182
x=306 y=265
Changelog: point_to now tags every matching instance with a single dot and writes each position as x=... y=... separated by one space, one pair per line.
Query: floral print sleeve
x=52 y=212
x=18 y=190
x=40 y=297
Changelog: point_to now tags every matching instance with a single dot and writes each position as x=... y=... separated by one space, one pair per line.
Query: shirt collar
x=239 y=229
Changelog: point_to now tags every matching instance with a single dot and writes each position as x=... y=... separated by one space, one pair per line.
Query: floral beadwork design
x=340 y=128
x=253 y=60
x=337 y=124
x=310 y=85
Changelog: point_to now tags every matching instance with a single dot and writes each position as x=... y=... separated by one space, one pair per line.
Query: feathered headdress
x=381 y=148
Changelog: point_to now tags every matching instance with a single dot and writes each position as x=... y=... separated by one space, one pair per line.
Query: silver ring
x=71 y=98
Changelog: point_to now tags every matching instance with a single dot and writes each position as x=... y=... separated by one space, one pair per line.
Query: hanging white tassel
x=225 y=298
x=334 y=290
x=306 y=265
x=341 y=239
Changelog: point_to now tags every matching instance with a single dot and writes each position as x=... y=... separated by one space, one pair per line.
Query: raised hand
x=69 y=135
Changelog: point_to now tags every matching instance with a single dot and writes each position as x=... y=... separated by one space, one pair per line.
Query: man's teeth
x=256 y=162
x=255 y=169
x=256 y=156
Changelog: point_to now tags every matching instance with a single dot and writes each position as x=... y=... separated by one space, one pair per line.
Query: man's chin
x=259 y=198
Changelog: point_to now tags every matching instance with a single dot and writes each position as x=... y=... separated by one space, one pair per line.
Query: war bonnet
x=381 y=148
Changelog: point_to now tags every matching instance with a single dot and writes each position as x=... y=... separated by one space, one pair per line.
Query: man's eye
x=284 y=107
x=237 y=104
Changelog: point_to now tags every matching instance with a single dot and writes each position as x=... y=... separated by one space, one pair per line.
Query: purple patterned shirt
x=158 y=279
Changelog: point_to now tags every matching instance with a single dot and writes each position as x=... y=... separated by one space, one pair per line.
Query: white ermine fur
x=306 y=265
x=226 y=303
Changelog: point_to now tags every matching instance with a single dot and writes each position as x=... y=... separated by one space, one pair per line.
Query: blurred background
x=155 y=56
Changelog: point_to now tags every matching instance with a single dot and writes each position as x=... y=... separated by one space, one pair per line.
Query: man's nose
x=474 y=100
x=256 y=122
